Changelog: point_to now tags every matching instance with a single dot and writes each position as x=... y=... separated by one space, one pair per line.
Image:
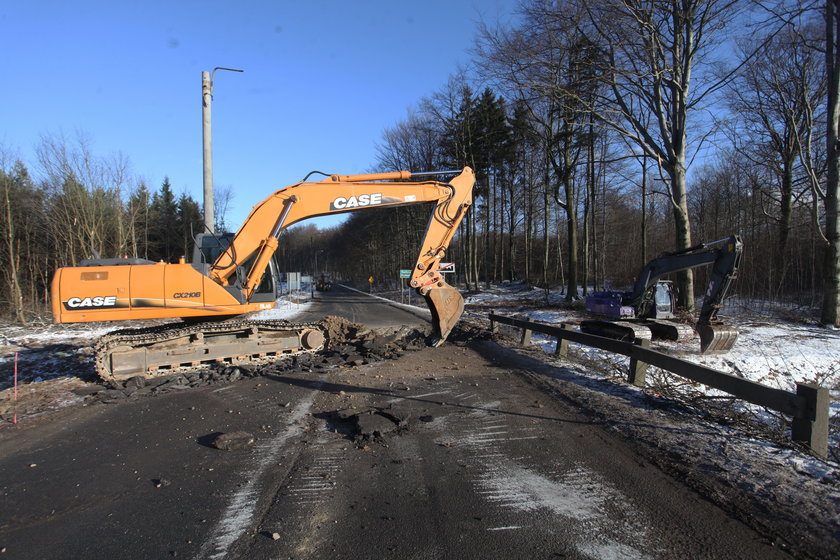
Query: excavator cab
x=658 y=302
x=663 y=300
x=207 y=249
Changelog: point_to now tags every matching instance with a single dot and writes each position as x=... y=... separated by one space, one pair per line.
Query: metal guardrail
x=808 y=406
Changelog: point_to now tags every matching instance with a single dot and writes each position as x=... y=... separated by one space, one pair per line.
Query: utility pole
x=206 y=130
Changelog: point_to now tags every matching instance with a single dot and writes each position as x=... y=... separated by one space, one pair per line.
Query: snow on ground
x=774 y=349
x=775 y=352
x=285 y=308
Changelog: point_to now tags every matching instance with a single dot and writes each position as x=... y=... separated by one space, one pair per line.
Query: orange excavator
x=234 y=276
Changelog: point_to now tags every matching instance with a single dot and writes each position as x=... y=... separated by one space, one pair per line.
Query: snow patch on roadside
x=283 y=309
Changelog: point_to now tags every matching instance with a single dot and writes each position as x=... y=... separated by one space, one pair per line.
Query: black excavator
x=645 y=312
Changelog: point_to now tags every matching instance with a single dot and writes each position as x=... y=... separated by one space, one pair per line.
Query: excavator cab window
x=265 y=290
x=664 y=299
x=208 y=247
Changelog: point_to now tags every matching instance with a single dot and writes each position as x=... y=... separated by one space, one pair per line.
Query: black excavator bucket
x=447 y=306
x=716 y=339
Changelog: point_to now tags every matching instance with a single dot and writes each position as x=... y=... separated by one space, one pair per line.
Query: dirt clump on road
x=369 y=424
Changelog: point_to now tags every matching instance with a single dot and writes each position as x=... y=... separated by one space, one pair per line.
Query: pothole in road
x=368 y=424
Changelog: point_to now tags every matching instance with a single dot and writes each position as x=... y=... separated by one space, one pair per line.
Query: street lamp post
x=206 y=130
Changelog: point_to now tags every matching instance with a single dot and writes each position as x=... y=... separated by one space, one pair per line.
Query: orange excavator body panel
x=148 y=291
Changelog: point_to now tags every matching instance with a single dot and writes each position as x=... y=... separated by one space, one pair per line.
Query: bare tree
x=222 y=204
x=547 y=64
x=776 y=101
x=643 y=59
x=86 y=197
x=412 y=144
x=660 y=58
x=10 y=239
x=831 y=285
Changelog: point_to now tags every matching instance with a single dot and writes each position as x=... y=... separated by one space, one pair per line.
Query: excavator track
x=167 y=349
x=669 y=330
x=619 y=330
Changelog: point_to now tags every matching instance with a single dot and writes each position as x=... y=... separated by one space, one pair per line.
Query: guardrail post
x=638 y=369
x=562 y=348
x=811 y=424
x=526 y=337
x=494 y=326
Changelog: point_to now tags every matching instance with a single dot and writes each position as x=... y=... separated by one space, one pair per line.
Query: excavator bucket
x=716 y=339
x=447 y=306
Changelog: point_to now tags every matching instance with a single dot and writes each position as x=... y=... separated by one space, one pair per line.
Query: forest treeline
x=582 y=122
x=82 y=207
x=602 y=134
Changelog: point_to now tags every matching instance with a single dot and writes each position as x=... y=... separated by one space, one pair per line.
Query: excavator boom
x=258 y=238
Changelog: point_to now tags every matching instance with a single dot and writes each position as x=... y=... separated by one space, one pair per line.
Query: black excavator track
x=167 y=349
x=635 y=329
x=619 y=330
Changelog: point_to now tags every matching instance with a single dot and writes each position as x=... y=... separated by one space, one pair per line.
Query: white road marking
x=603 y=523
x=429 y=394
x=238 y=515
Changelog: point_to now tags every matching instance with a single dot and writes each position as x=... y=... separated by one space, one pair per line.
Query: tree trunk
x=572 y=231
x=511 y=236
x=529 y=228
x=14 y=280
x=785 y=215
x=831 y=280
x=685 y=278
x=489 y=269
x=644 y=213
x=546 y=235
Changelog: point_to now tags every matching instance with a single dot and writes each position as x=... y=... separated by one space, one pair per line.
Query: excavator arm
x=258 y=238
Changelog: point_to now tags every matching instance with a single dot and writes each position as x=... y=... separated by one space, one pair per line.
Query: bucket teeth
x=447 y=306
x=716 y=339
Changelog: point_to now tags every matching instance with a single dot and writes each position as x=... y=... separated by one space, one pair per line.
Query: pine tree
x=163 y=228
x=190 y=222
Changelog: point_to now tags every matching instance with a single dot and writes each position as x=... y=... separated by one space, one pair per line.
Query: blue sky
x=322 y=80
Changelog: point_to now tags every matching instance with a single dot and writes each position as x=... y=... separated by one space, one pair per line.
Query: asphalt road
x=486 y=465
x=360 y=307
